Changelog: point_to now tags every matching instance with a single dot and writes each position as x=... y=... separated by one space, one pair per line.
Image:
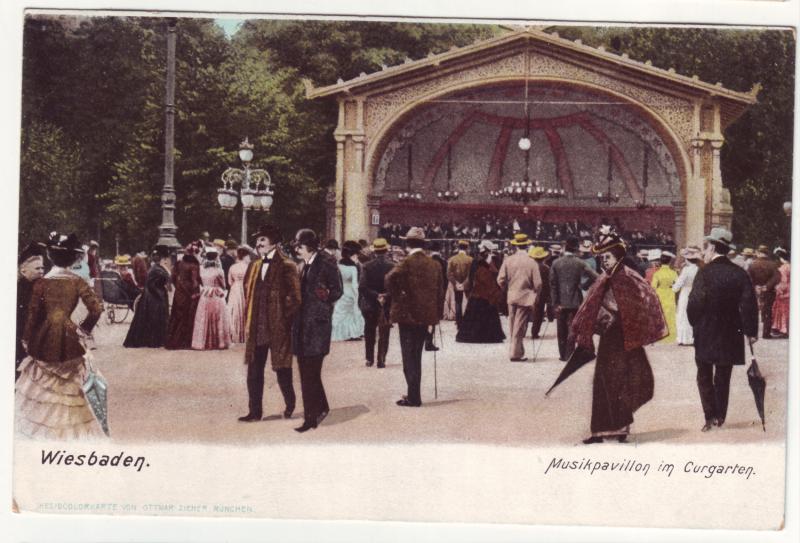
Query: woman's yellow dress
x=662 y=281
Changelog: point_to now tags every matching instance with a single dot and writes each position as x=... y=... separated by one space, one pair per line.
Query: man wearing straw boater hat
x=373 y=300
x=415 y=287
x=457 y=272
x=722 y=310
x=520 y=275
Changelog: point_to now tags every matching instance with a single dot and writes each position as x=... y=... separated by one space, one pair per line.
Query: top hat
x=538 y=253
x=268 y=231
x=720 y=235
x=61 y=242
x=415 y=232
x=380 y=245
x=520 y=240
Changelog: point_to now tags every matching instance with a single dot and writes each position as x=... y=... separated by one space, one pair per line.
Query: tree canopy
x=93 y=117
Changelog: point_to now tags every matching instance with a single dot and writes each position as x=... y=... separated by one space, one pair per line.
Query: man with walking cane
x=415 y=288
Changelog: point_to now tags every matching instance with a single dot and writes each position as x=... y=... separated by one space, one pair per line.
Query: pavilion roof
x=734 y=102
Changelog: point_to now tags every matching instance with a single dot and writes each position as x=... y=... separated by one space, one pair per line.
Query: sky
x=230 y=26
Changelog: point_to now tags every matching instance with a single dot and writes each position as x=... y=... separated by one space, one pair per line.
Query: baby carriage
x=118 y=296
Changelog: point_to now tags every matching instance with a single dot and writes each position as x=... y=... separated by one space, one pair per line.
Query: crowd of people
x=287 y=300
x=494 y=228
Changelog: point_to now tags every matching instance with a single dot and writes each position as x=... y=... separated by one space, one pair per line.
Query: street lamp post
x=255 y=187
x=168 y=229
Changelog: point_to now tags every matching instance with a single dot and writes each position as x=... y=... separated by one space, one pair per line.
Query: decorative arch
x=387 y=130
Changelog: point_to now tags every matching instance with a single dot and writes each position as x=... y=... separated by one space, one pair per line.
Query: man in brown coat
x=457 y=272
x=765 y=277
x=272 y=288
x=520 y=274
x=415 y=287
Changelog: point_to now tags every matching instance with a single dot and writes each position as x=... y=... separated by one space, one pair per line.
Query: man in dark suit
x=722 y=310
x=565 y=292
x=320 y=287
x=273 y=298
x=415 y=286
x=373 y=300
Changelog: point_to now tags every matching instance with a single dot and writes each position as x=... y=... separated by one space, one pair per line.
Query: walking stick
x=541 y=339
x=435 y=377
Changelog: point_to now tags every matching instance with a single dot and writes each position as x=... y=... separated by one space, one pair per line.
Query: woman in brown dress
x=49 y=399
x=186 y=278
x=624 y=310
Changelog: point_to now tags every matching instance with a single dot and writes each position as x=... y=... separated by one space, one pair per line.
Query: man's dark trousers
x=459 y=296
x=255 y=381
x=563 y=320
x=315 y=401
x=371 y=321
x=714 y=383
x=412 y=339
x=767 y=299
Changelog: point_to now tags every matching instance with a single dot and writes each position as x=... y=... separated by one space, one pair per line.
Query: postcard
x=396 y=270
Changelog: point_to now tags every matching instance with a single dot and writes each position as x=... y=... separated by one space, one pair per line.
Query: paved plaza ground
x=483 y=398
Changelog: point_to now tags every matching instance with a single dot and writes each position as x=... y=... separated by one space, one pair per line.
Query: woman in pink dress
x=237 y=305
x=780 y=309
x=212 y=326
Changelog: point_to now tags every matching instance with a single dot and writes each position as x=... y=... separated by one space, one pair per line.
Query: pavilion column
x=338 y=199
x=679 y=234
x=695 y=206
x=356 y=192
x=721 y=210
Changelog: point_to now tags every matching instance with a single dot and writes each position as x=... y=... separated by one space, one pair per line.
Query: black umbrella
x=579 y=358
x=758 y=385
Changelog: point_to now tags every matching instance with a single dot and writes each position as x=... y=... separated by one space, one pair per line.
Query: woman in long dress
x=50 y=403
x=780 y=308
x=348 y=322
x=150 y=321
x=212 y=325
x=663 y=279
x=481 y=320
x=186 y=278
x=683 y=287
x=237 y=304
x=622 y=308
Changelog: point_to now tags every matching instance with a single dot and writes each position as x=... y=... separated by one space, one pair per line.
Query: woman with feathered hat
x=481 y=320
x=625 y=311
x=186 y=278
x=49 y=399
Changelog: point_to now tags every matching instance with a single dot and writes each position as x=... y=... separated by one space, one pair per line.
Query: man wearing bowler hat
x=722 y=310
x=273 y=298
x=415 y=287
x=320 y=287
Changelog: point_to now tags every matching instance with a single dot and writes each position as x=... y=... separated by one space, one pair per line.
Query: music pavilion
x=576 y=132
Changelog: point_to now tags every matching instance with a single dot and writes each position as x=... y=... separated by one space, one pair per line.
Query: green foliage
x=93 y=115
x=756 y=160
